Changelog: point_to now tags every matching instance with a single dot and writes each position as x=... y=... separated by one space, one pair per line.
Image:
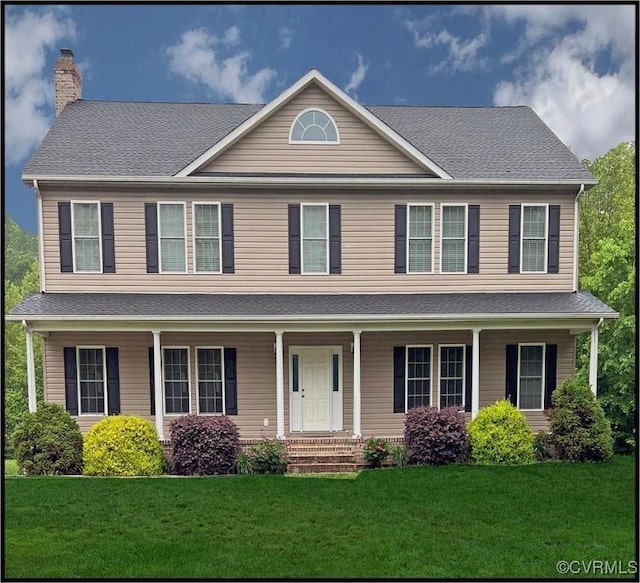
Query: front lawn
x=421 y=522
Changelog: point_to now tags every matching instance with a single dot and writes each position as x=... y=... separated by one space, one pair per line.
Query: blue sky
x=574 y=64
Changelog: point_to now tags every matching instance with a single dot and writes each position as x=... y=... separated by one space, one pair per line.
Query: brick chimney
x=67 y=79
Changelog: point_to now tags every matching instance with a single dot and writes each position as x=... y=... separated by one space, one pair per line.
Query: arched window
x=314 y=126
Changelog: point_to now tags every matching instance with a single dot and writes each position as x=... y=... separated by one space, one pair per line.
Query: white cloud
x=231 y=35
x=286 y=37
x=462 y=55
x=196 y=57
x=591 y=111
x=357 y=77
x=28 y=87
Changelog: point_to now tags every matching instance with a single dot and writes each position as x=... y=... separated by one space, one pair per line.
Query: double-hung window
x=452 y=376
x=173 y=250
x=534 y=238
x=453 y=239
x=176 y=380
x=418 y=377
x=207 y=244
x=87 y=251
x=210 y=380
x=420 y=238
x=531 y=376
x=315 y=238
x=92 y=380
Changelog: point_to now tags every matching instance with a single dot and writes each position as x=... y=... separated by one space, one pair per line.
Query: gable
x=266 y=148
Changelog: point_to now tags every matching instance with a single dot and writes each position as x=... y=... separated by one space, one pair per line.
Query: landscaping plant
x=398 y=455
x=123 y=445
x=269 y=456
x=500 y=434
x=579 y=429
x=203 y=446
x=375 y=451
x=436 y=436
x=48 y=442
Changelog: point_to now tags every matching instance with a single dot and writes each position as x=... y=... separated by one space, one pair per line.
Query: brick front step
x=318 y=468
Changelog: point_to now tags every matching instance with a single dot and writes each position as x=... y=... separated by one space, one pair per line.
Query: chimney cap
x=66 y=52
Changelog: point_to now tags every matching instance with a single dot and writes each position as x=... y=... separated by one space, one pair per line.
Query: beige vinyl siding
x=266 y=148
x=261 y=245
x=256 y=372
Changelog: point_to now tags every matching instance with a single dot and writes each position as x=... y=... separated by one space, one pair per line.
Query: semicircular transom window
x=314 y=126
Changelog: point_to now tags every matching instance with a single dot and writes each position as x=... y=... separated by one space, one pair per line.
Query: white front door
x=315 y=388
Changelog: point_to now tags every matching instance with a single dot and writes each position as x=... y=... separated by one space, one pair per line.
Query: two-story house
x=310 y=267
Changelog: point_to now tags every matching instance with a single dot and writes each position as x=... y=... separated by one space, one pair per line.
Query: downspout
x=576 y=234
x=40 y=235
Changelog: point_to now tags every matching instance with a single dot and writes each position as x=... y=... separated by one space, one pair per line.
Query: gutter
x=576 y=234
x=40 y=235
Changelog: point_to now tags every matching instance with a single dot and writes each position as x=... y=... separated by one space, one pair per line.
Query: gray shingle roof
x=259 y=306
x=159 y=139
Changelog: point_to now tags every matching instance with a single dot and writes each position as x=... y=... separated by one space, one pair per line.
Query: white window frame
x=546 y=235
x=104 y=380
x=326 y=207
x=406 y=373
x=466 y=235
x=224 y=404
x=464 y=370
x=184 y=217
x=73 y=234
x=315 y=142
x=194 y=204
x=543 y=383
x=164 y=394
x=420 y=204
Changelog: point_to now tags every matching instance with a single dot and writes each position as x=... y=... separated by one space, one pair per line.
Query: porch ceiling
x=551 y=308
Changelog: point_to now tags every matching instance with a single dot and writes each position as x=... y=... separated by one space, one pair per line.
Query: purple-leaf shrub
x=202 y=446
x=436 y=436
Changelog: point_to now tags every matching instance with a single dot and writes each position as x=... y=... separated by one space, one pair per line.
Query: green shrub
x=375 y=451
x=579 y=428
x=244 y=464
x=542 y=447
x=398 y=455
x=500 y=435
x=48 y=442
x=123 y=445
x=270 y=456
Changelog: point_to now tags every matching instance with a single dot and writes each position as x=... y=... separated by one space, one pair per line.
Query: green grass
x=11 y=468
x=447 y=522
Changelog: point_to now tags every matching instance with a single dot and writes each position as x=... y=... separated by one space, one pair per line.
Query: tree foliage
x=20 y=251
x=608 y=270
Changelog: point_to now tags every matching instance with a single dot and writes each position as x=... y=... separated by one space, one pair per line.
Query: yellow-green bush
x=501 y=435
x=122 y=445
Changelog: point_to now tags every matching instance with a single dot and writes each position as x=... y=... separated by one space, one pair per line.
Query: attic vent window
x=314 y=126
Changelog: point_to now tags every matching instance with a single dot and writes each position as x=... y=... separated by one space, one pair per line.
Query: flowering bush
x=270 y=456
x=436 y=436
x=375 y=451
x=202 y=446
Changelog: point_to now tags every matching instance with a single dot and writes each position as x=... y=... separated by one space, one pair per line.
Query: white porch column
x=475 y=373
x=593 y=359
x=157 y=373
x=279 y=386
x=31 y=370
x=356 y=384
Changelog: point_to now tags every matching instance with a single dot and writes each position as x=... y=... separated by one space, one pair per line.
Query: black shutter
x=151 y=235
x=511 y=374
x=70 y=380
x=64 y=233
x=108 y=243
x=401 y=239
x=230 y=382
x=294 y=238
x=228 y=265
x=398 y=378
x=473 y=239
x=152 y=383
x=550 y=368
x=514 y=238
x=553 y=259
x=335 y=259
x=113 y=381
x=468 y=373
